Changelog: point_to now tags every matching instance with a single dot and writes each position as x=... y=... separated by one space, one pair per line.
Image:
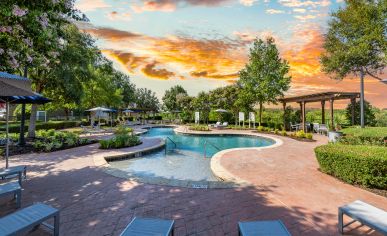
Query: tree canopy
x=170 y=98
x=356 y=39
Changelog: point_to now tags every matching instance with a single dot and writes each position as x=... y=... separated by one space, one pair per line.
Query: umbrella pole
x=6 y=134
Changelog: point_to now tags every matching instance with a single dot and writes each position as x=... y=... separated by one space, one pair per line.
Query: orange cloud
x=126 y=59
x=151 y=71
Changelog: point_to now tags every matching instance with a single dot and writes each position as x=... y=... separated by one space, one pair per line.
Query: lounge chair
x=15 y=171
x=294 y=127
x=264 y=228
x=28 y=218
x=316 y=127
x=366 y=214
x=149 y=227
x=11 y=188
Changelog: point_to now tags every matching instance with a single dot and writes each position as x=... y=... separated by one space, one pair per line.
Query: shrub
x=309 y=136
x=199 y=128
x=120 y=141
x=300 y=134
x=50 y=140
x=260 y=128
x=366 y=136
x=283 y=133
x=276 y=131
x=123 y=130
x=15 y=128
x=355 y=164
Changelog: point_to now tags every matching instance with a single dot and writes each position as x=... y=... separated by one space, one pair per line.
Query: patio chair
x=15 y=171
x=323 y=129
x=263 y=228
x=149 y=227
x=364 y=213
x=29 y=218
x=11 y=188
x=316 y=127
x=294 y=127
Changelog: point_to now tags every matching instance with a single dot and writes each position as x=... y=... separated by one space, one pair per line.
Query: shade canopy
x=101 y=109
x=128 y=111
x=13 y=85
x=35 y=99
x=221 y=110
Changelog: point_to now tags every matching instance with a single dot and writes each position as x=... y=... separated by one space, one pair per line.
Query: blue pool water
x=211 y=143
x=186 y=161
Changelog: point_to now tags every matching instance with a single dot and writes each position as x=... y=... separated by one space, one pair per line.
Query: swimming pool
x=186 y=160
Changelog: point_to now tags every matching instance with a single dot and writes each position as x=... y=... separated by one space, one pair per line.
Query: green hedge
x=15 y=128
x=120 y=141
x=366 y=136
x=199 y=128
x=355 y=164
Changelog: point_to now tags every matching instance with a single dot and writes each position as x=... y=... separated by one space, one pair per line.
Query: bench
x=12 y=188
x=15 y=171
x=29 y=218
x=364 y=213
x=149 y=227
x=263 y=228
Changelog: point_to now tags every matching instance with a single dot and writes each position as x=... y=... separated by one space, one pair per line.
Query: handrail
x=205 y=144
x=171 y=141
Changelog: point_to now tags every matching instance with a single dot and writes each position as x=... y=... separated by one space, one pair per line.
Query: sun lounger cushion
x=27 y=218
x=264 y=228
x=149 y=227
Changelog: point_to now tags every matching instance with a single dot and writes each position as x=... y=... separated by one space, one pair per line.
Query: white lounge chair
x=364 y=213
x=28 y=218
x=323 y=129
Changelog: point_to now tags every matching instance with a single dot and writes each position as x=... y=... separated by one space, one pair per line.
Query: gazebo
x=321 y=97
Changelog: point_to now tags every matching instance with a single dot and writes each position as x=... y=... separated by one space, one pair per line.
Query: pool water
x=188 y=160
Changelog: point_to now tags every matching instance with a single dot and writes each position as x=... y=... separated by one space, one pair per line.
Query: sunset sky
x=202 y=44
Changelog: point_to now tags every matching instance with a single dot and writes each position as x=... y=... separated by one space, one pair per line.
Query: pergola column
x=331 y=106
x=284 y=106
x=22 y=141
x=323 y=112
x=304 y=116
x=353 y=103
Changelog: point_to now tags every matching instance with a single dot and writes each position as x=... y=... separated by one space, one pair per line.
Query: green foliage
x=199 y=128
x=51 y=140
x=300 y=134
x=170 y=98
x=120 y=141
x=147 y=99
x=265 y=77
x=202 y=103
x=380 y=117
x=123 y=130
x=355 y=164
x=356 y=39
x=365 y=136
x=369 y=115
x=309 y=136
x=283 y=133
x=14 y=128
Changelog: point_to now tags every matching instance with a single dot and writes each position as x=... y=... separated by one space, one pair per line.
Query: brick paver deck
x=287 y=186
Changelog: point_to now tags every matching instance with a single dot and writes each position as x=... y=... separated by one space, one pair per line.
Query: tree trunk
x=32 y=125
x=260 y=113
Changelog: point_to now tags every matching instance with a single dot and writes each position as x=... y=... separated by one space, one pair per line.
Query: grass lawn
x=366 y=132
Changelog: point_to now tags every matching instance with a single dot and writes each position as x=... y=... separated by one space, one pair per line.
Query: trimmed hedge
x=15 y=128
x=199 y=128
x=366 y=136
x=355 y=164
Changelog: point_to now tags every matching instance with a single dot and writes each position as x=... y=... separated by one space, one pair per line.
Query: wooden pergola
x=321 y=97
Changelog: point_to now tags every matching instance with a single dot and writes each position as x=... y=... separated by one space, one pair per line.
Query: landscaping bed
x=124 y=137
x=299 y=135
x=199 y=128
x=355 y=164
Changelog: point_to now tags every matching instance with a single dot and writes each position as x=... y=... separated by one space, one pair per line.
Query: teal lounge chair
x=28 y=218
x=12 y=188
x=263 y=228
x=149 y=227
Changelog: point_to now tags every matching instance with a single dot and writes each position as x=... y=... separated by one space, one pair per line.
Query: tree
x=368 y=112
x=170 y=98
x=147 y=99
x=224 y=98
x=202 y=103
x=265 y=77
x=356 y=43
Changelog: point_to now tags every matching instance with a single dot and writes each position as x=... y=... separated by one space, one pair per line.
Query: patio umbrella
x=12 y=85
x=100 y=109
x=128 y=111
x=220 y=111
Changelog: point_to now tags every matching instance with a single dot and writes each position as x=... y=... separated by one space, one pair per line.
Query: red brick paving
x=288 y=187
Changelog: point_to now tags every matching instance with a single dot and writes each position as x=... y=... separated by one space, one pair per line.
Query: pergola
x=321 y=97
